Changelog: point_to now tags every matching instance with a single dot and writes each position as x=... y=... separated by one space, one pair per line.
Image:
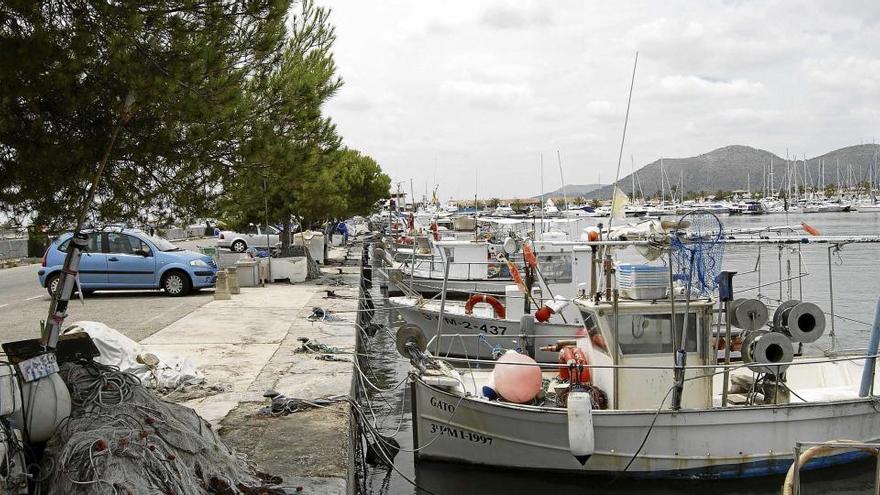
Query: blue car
x=130 y=259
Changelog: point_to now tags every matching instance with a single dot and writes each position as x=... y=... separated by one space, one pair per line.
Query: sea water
x=856 y=282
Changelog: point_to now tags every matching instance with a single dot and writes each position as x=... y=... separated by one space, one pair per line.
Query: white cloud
x=507 y=16
x=857 y=74
x=489 y=95
x=690 y=86
x=491 y=86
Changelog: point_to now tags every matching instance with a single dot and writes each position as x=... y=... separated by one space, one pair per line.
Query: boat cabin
x=641 y=334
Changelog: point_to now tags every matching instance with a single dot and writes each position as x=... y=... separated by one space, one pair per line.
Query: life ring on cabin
x=435 y=230
x=472 y=301
x=571 y=355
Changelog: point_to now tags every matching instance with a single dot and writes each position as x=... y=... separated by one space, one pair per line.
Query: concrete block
x=293 y=269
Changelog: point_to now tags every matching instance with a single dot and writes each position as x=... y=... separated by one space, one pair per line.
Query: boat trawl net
x=697 y=251
x=121 y=439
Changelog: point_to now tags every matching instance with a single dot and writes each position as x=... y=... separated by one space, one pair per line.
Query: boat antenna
x=622 y=141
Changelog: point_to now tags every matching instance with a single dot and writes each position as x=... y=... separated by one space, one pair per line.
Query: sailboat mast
x=542 y=193
x=562 y=178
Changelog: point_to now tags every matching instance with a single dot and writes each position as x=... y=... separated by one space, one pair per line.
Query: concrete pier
x=248 y=345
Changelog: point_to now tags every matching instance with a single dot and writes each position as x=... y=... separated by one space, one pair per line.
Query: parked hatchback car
x=130 y=259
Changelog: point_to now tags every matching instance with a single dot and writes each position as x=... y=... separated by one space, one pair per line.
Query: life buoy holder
x=475 y=299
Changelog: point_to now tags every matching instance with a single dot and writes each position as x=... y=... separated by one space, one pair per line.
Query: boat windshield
x=652 y=334
x=555 y=268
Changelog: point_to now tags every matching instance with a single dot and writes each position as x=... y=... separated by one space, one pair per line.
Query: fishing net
x=121 y=439
x=697 y=251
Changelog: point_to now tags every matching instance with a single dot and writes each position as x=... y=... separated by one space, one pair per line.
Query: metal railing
x=792 y=483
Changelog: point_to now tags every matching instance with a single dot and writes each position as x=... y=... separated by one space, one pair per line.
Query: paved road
x=137 y=314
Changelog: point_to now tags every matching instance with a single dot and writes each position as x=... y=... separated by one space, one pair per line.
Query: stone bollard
x=232 y=280
x=221 y=288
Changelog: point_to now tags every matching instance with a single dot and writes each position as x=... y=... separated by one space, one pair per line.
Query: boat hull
x=696 y=444
x=475 y=337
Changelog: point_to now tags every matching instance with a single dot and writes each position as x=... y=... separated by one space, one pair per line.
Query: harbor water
x=804 y=269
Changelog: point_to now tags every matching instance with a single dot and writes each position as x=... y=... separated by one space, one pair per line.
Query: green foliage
x=227 y=117
x=66 y=67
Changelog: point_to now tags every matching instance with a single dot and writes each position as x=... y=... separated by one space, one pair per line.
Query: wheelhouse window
x=555 y=268
x=653 y=334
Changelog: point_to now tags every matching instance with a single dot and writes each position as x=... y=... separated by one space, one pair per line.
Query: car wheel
x=239 y=246
x=176 y=284
x=52 y=284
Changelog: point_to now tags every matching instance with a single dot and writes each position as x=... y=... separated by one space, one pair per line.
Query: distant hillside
x=571 y=191
x=741 y=167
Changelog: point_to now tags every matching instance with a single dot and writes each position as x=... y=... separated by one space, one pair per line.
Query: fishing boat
x=662 y=396
x=477 y=327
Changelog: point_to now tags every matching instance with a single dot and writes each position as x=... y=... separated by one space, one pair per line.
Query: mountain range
x=742 y=167
x=571 y=191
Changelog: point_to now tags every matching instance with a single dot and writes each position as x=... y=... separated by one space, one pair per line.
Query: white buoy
x=581 y=442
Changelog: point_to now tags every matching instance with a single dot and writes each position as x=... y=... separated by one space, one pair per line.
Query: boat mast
x=562 y=178
x=662 y=192
x=542 y=194
x=632 y=176
x=622 y=141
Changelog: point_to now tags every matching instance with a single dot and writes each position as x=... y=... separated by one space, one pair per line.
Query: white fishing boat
x=659 y=397
x=638 y=432
x=868 y=208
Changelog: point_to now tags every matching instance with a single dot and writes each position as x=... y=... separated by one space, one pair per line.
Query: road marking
x=163 y=313
x=35 y=297
x=3 y=305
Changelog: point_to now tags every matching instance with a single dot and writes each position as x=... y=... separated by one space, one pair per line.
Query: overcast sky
x=435 y=91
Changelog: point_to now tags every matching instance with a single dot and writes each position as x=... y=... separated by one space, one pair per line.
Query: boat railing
x=705 y=367
x=805 y=451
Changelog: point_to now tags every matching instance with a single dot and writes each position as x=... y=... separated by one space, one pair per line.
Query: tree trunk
x=285 y=237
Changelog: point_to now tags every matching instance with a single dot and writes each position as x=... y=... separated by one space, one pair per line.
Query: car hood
x=188 y=255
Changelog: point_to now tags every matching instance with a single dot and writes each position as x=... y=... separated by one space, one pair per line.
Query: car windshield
x=163 y=244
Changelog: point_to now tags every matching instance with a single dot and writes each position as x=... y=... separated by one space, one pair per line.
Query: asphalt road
x=137 y=314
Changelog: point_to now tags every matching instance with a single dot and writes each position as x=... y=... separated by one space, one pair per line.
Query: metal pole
x=831 y=298
x=614 y=353
x=759 y=271
x=681 y=352
x=268 y=242
x=442 y=300
x=871 y=362
x=724 y=391
x=800 y=274
x=779 y=259
x=796 y=477
x=788 y=273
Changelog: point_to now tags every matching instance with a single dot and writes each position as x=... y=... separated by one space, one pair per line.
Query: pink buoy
x=515 y=380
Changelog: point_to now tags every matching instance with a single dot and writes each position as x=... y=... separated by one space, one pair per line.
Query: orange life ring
x=472 y=301
x=574 y=355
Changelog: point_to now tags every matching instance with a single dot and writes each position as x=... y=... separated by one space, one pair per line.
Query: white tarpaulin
x=170 y=372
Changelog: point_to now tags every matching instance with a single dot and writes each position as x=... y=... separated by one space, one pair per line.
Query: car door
x=93 y=263
x=252 y=236
x=130 y=262
x=274 y=236
x=267 y=233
